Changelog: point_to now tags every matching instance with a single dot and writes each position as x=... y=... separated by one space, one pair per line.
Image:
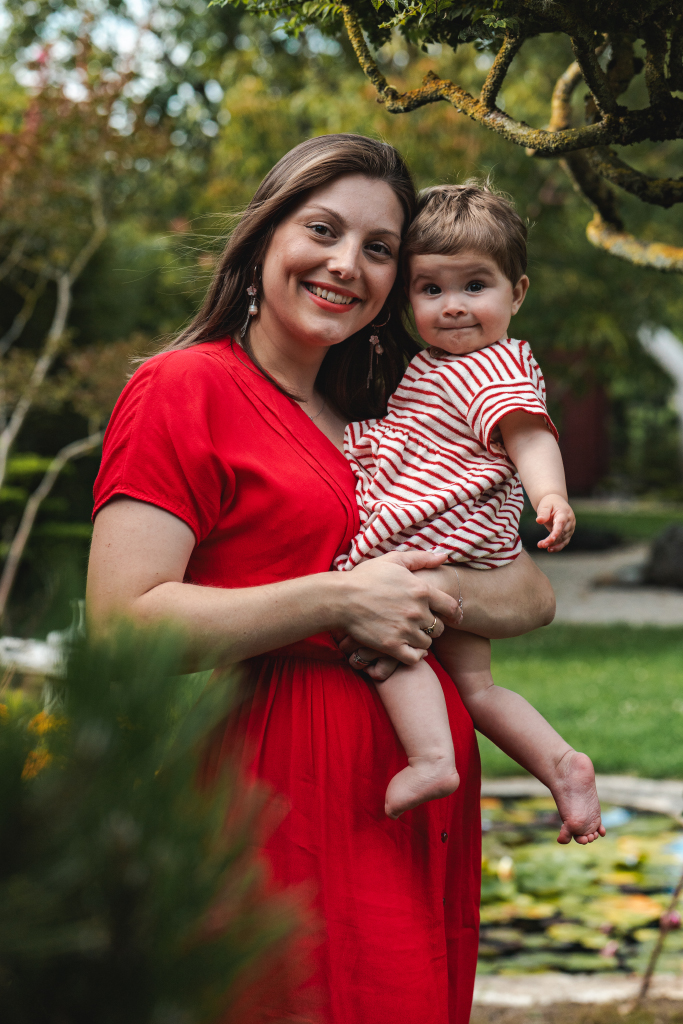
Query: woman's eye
x=475 y=286
x=320 y=229
x=379 y=249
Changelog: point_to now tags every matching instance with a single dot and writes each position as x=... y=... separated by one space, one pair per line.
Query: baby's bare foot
x=577 y=799
x=424 y=779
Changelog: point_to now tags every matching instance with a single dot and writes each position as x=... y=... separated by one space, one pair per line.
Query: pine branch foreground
x=130 y=887
x=606 y=37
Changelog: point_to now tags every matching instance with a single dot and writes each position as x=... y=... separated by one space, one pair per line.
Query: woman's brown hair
x=342 y=378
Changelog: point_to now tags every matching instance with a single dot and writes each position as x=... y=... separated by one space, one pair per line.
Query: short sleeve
x=504 y=378
x=160 y=445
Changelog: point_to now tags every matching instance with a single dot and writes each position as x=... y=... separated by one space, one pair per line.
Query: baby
x=443 y=471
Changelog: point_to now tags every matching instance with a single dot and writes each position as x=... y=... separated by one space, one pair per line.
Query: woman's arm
x=497 y=603
x=137 y=565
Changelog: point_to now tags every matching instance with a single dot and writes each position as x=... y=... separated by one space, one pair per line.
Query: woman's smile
x=330 y=297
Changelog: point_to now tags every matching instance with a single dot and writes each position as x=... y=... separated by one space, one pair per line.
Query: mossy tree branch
x=589 y=169
x=561 y=101
x=499 y=69
x=655 y=65
x=657 y=191
x=585 y=150
x=594 y=76
x=675 y=69
x=625 y=246
x=618 y=125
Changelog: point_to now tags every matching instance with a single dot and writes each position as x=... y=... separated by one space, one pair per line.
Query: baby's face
x=462 y=303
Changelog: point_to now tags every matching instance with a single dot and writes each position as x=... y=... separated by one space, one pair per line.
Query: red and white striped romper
x=433 y=473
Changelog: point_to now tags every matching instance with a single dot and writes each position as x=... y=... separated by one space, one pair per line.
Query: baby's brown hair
x=471 y=217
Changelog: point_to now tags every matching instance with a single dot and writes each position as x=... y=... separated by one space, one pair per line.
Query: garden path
x=588 y=588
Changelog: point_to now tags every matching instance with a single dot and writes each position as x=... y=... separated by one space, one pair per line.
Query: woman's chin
x=323 y=330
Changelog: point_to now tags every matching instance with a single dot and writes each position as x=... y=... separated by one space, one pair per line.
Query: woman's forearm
x=242 y=623
x=138 y=562
x=499 y=603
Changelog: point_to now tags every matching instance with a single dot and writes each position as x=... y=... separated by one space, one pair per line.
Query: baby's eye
x=433 y=289
x=475 y=287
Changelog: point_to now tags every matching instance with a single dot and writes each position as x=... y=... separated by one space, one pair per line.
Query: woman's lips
x=334 y=307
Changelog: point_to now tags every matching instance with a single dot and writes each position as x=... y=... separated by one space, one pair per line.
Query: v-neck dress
x=202 y=434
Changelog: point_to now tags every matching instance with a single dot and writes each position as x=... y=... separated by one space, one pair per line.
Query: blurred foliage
x=129 y=887
x=215 y=97
x=577 y=908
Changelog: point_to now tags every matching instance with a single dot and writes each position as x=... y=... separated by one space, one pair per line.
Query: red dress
x=203 y=435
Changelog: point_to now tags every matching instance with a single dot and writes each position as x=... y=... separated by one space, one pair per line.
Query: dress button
x=444 y=901
x=444 y=837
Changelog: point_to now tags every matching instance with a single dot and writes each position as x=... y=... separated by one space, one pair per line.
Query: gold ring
x=429 y=629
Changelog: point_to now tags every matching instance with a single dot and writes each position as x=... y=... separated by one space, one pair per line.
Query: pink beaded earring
x=252 y=292
x=375 y=346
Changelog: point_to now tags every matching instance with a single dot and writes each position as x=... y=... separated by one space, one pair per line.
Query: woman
x=222 y=502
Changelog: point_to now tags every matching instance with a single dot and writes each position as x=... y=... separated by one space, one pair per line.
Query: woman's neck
x=293 y=365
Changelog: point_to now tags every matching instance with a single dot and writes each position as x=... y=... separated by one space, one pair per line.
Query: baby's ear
x=519 y=293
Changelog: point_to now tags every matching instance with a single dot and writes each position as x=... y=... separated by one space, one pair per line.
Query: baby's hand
x=557 y=516
x=378 y=666
x=382 y=669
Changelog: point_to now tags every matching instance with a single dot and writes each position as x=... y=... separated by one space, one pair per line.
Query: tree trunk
x=69 y=452
x=667 y=351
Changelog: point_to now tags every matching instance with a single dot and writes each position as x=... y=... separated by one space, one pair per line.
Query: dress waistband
x=321 y=647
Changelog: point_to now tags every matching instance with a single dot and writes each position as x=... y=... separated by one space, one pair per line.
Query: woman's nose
x=344 y=259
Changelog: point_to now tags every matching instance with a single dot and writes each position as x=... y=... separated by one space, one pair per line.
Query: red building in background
x=583 y=422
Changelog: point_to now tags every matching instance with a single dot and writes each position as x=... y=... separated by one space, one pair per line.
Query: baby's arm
x=519 y=730
x=536 y=454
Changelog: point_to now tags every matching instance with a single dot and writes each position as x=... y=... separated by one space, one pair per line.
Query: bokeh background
x=130 y=135
x=165 y=117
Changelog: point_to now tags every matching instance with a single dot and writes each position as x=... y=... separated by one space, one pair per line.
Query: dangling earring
x=375 y=346
x=252 y=292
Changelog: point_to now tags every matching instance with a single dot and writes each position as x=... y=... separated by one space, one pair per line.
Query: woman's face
x=331 y=263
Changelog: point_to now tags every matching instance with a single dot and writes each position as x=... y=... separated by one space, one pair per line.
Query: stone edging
x=553 y=987
x=661 y=796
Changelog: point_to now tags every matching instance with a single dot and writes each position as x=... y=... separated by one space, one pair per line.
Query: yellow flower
x=35 y=762
x=42 y=723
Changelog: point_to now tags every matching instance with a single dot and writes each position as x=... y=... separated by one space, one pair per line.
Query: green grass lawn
x=612 y=691
x=632 y=526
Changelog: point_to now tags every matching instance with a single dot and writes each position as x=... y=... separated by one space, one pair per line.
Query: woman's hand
x=386 y=607
x=497 y=603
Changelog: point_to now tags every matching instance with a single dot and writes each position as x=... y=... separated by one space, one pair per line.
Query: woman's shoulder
x=181 y=377
x=184 y=365
x=175 y=388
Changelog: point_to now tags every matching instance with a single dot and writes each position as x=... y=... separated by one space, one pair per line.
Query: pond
x=575 y=908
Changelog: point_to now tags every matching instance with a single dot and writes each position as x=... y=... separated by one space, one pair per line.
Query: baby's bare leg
x=518 y=729
x=416 y=706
